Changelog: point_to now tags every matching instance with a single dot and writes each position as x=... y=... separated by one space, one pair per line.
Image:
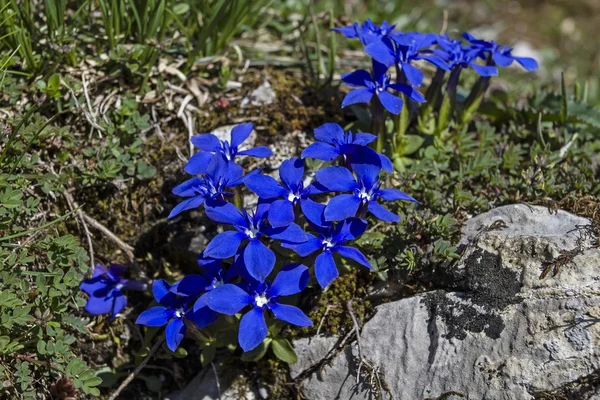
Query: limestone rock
x=261 y=96
x=500 y=333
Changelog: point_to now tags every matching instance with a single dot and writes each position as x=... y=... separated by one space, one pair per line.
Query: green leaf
x=259 y=352
x=284 y=351
x=208 y=355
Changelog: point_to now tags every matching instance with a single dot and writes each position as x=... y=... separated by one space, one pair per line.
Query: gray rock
x=503 y=334
x=310 y=352
x=261 y=96
x=204 y=387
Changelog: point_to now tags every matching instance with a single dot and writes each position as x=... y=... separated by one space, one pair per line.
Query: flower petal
x=484 y=70
x=198 y=163
x=227 y=299
x=162 y=293
x=325 y=269
x=226 y=213
x=253 y=329
x=119 y=303
x=354 y=254
x=189 y=188
x=413 y=74
x=390 y=102
x=395 y=194
x=264 y=186
x=259 y=260
x=290 y=314
x=350 y=229
x=155 y=316
x=366 y=164
x=292 y=279
x=336 y=179
x=189 y=285
x=206 y=142
x=187 y=204
x=292 y=233
x=258 y=152
x=240 y=133
x=357 y=78
x=224 y=245
x=361 y=95
x=281 y=213
x=321 y=151
x=342 y=207
x=174 y=333
x=502 y=60
x=363 y=139
x=291 y=172
x=411 y=92
x=305 y=249
x=313 y=212
x=382 y=213
x=330 y=132
x=203 y=316
x=98 y=305
x=528 y=63
x=379 y=51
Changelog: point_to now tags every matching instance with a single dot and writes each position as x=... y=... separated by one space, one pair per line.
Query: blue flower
x=210 y=145
x=365 y=191
x=334 y=142
x=173 y=310
x=367 y=32
x=105 y=289
x=283 y=198
x=501 y=55
x=330 y=239
x=220 y=175
x=230 y=299
x=459 y=56
x=250 y=228
x=406 y=49
x=377 y=84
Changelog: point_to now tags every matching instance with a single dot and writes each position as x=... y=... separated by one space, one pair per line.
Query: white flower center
x=179 y=313
x=364 y=195
x=250 y=233
x=327 y=243
x=261 y=300
x=292 y=197
x=119 y=286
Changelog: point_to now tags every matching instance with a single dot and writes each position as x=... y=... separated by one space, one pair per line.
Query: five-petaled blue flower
x=230 y=299
x=402 y=50
x=501 y=55
x=365 y=188
x=249 y=227
x=334 y=142
x=331 y=239
x=378 y=85
x=219 y=176
x=368 y=31
x=173 y=310
x=210 y=145
x=283 y=198
x=105 y=289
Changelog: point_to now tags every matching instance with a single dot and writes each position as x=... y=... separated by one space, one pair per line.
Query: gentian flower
x=230 y=299
x=250 y=228
x=406 y=49
x=283 y=198
x=501 y=55
x=367 y=32
x=173 y=310
x=331 y=238
x=365 y=188
x=459 y=56
x=105 y=289
x=334 y=142
x=219 y=176
x=377 y=84
x=210 y=145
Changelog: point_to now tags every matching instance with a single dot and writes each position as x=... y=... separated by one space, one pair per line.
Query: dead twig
x=73 y=206
x=212 y=364
x=357 y=330
x=124 y=246
x=138 y=369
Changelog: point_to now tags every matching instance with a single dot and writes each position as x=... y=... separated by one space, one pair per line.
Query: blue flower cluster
x=239 y=270
x=388 y=47
x=106 y=289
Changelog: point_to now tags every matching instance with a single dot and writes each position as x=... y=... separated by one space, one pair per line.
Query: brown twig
x=136 y=371
x=357 y=330
x=73 y=206
x=124 y=246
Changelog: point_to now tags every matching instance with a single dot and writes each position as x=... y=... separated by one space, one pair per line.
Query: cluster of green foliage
x=46 y=33
x=41 y=267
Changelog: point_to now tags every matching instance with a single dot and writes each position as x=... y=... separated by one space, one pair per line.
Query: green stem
x=378 y=123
